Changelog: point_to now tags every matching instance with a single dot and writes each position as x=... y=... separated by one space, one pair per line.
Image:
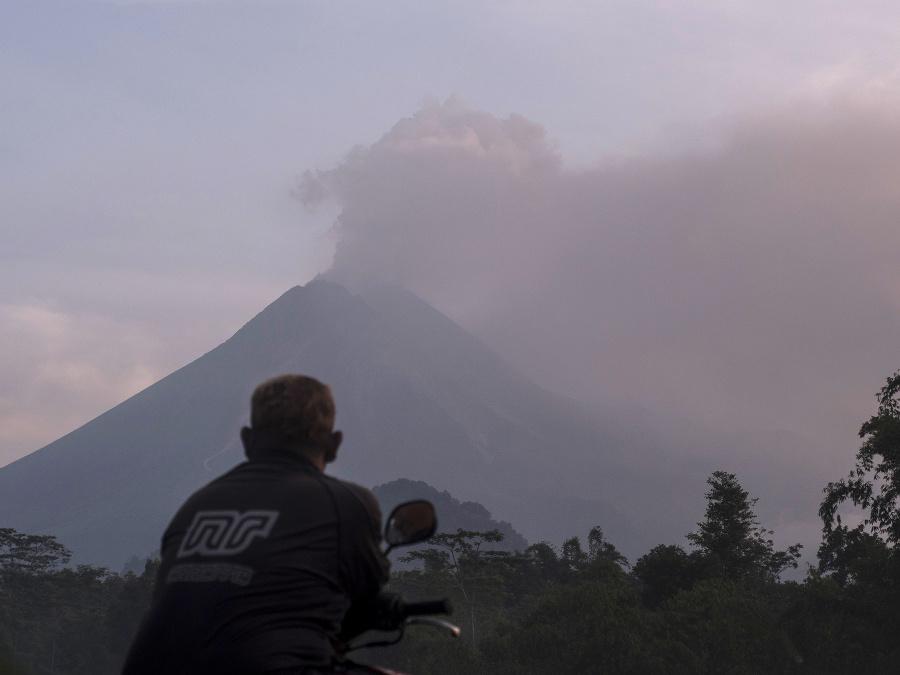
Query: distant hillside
x=452 y=514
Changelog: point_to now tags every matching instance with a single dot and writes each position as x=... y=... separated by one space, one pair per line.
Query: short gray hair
x=296 y=406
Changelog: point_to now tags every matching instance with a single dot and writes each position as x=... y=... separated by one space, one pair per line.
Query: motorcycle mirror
x=410 y=523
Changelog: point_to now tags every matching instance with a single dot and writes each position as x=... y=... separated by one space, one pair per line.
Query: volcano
x=417 y=397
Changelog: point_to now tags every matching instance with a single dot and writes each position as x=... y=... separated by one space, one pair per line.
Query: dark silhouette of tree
x=665 y=571
x=542 y=561
x=573 y=556
x=874 y=483
x=600 y=549
x=852 y=555
x=732 y=540
x=576 y=559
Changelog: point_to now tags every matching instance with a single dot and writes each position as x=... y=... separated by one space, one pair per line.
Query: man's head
x=300 y=409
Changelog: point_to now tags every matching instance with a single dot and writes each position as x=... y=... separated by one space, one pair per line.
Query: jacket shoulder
x=357 y=493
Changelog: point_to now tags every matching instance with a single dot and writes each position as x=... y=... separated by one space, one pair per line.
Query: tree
x=27 y=562
x=128 y=606
x=577 y=560
x=732 y=540
x=665 y=571
x=874 y=483
x=600 y=549
x=457 y=564
x=30 y=553
x=573 y=556
x=852 y=555
x=542 y=562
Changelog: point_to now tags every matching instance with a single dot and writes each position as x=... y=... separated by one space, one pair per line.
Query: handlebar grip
x=444 y=606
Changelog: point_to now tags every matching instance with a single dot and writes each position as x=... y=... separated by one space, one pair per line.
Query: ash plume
x=754 y=286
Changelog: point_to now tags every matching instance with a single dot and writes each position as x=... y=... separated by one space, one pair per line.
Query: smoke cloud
x=755 y=286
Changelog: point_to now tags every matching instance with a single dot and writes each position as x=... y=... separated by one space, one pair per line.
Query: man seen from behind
x=266 y=569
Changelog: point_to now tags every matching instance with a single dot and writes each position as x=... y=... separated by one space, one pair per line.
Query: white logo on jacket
x=225 y=532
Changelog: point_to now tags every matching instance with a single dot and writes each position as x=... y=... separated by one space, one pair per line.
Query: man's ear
x=334 y=442
x=247 y=437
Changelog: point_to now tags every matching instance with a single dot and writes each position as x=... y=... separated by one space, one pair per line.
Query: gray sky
x=691 y=204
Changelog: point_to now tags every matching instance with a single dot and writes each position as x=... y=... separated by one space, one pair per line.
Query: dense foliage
x=67 y=621
x=718 y=608
x=714 y=610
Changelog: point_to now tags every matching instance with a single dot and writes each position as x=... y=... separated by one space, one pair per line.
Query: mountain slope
x=417 y=397
x=411 y=405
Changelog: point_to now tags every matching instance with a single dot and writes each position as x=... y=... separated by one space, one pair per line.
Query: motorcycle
x=409 y=523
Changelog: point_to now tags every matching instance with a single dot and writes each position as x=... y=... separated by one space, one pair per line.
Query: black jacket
x=262 y=570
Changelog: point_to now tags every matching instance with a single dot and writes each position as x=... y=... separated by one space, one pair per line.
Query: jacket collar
x=269 y=446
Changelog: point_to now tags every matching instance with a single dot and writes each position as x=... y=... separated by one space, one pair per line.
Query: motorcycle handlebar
x=392 y=610
x=444 y=606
